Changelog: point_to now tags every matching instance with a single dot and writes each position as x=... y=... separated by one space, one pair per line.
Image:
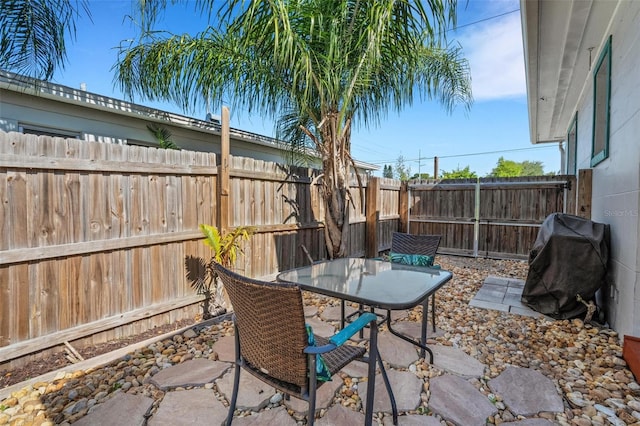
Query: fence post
x=372 y=212
x=583 y=209
x=570 y=191
x=403 y=206
x=476 y=221
x=223 y=173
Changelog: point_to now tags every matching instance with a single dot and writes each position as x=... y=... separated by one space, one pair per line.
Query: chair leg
x=371 y=375
x=433 y=312
x=236 y=380
x=392 y=398
x=313 y=382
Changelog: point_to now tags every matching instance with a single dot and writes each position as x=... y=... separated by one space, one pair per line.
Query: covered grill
x=569 y=258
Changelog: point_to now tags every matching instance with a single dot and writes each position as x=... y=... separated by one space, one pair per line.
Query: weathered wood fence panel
x=94 y=238
x=492 y=217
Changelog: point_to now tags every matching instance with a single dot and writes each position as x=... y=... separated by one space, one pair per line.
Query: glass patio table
x=375 y=283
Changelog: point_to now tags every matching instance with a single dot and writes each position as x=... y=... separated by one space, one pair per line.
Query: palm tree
x=33 y=33
x=317 y=66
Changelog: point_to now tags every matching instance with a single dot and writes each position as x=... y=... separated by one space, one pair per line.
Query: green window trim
x=601 y=106
x=572 y=146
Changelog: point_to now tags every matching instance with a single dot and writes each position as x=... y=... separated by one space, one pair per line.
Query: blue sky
x=497 y=124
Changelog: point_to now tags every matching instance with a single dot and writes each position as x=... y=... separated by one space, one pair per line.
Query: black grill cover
x=569 y=257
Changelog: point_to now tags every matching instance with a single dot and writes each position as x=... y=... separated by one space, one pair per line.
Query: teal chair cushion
x=322 y=371
x=411 y=259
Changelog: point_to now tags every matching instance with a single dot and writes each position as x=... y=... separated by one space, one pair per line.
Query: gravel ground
x=584 y=361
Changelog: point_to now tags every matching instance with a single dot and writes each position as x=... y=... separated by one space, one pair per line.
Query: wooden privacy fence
x=490 y=217
x=94 y=237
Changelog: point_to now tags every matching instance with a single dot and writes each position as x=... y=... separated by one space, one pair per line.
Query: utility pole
x=435 y=167
x=419 y=164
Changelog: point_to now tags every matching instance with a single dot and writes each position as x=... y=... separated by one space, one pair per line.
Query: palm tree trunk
x=335 y=188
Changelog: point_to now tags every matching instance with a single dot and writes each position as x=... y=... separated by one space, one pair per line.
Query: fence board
x=510 y=211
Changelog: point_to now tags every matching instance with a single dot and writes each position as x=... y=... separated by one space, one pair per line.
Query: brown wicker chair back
x=271 y=326
x=415 y=244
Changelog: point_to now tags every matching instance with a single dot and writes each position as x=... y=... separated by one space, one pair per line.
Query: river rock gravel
x=584 y=361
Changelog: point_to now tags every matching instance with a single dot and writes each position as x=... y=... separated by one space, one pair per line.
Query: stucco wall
x=616 y=180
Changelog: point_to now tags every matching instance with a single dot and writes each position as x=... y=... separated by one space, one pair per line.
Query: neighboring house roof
x=562 y=40
x=21 y=84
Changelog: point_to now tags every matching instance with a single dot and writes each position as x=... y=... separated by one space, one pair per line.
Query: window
x=601 y=102
x=572 y=145
x=47 y=131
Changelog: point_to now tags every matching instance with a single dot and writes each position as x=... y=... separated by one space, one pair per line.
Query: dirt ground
x=58 y=360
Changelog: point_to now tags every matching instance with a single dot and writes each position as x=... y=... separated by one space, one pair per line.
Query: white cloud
x=494 y=51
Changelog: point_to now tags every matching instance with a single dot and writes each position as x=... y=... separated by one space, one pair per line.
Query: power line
x=468 y=155
x=483 y=20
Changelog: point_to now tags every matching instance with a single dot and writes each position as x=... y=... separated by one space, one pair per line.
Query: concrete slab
x=526 y=392
x=253 y=394
x=524 y=311
x=122 y=409
x=406 y=388
x=489 y=305
x=276 y=416
x=226 y=348
x=513 y=299
x=189 y=407
x=324 y=397
x=492 y=279
x=456 y=361
x=457 y=401
x=484 y=294
x=195 y=372
x=339 y=415
x=395 y=351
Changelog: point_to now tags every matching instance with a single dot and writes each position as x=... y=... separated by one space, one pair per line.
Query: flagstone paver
x=406 y=388
x=122 y=409
x=324 y=397
x=413 y=329
x=195 y=372
x=456 y=361
x=526 y=392
x=458 y=401
x=253 y=394
x=452 y=397
x=321 y=328
x=310 y=310
x=225 y=347
x=412 y=420
x=356 y=369
x=395 y=351
x=332 y=313
x=189 y=407
x=276 y=416
x=340 y=415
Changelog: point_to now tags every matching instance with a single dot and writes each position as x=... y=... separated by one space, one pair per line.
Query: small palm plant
x=225 y=249
x=163 y=136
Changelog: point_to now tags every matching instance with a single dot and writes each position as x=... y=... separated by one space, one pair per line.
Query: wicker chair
x=272 y=341
x=418 y=244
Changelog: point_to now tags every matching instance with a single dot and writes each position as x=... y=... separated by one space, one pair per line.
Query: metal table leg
x=422 y=344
